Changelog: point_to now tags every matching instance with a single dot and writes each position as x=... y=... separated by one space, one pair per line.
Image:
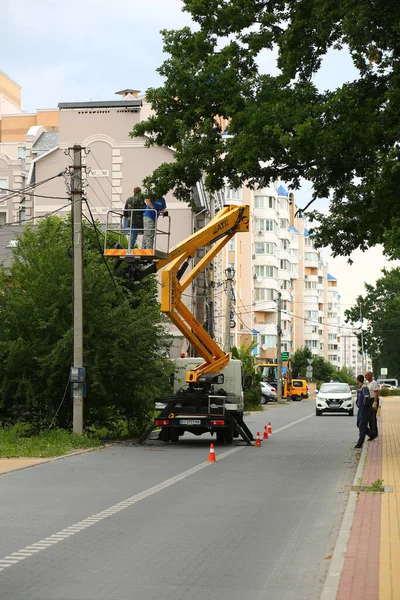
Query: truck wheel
x=164 y=434
x=229 y=436
x=173 y=434
x=221 y=436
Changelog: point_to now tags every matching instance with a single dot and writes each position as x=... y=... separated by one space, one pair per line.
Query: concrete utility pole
x=230 y=273
x=279 y=348
x=77 y=232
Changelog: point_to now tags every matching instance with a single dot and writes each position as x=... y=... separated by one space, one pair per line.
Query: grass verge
x=16 y=442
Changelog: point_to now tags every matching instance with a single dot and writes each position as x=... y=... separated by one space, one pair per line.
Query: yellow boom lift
x=203 y=397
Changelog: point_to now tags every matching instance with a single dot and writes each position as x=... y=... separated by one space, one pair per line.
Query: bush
x=388 y=392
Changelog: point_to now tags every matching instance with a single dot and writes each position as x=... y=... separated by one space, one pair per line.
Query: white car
x=334 y=397
x=268 y=393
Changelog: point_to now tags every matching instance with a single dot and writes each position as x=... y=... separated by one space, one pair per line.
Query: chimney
x=128 y=94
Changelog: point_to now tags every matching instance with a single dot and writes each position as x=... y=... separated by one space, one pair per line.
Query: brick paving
x=371 y=568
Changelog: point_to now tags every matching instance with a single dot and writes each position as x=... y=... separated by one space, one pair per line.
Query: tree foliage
x=322 y=369
x=345 y=141
x=123 y=334
x=380 y=308
x=252 y=396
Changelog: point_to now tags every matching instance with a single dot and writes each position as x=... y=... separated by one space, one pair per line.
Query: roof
x=306 y=233
x=291 y=228
x=331 y=278
x=282 y=191
x=8 y=241
x=45 y=142
x=102 y=104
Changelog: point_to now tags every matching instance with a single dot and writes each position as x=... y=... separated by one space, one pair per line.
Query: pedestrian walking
x=153 y=210
x=374 y=393
x=363 y=404
x=133 y=216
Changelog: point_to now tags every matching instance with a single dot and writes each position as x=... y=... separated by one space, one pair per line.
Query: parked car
x=334 y=397
x=268 y=393
x=299 y=389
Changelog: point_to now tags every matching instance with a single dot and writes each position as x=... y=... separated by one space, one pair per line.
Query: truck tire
x=173 y=434
x=164 y=434
x=228 y=436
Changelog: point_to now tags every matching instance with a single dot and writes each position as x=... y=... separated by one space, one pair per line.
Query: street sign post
x=310 y=361
x=309 y=372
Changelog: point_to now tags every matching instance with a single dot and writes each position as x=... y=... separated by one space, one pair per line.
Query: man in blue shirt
x=364 y=405
x=153 y=209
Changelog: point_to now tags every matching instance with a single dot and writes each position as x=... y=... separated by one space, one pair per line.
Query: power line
x=98 y=241
x=28 y=189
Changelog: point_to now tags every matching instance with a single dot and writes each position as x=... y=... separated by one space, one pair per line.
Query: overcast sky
x=89 y=49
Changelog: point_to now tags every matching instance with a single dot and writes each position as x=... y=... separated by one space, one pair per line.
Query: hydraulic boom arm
x=230 y=220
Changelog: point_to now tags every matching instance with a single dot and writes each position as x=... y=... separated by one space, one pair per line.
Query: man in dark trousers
x=364 y=405
x=133 y=216
x=374 y=393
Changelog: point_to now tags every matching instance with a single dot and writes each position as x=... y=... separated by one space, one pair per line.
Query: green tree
x=300 y=363
x=345 y=141
x=380 y=308
x=345 y=375
x=252 y=396
x=124 y=336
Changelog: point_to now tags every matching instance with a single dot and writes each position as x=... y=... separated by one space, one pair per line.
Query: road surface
x=160 y=522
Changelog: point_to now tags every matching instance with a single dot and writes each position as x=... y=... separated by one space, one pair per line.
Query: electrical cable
x=98 y=241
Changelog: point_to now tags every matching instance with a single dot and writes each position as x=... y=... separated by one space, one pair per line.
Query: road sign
x=310 y=361
x=309 y=372
x=383 y=371
x=285 y=355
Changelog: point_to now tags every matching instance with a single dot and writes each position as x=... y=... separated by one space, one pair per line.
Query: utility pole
x=279 y=348
x=230 y=273
x=362 y=344
x=77 y=373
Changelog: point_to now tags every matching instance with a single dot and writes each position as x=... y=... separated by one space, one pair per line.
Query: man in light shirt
x=374 y=393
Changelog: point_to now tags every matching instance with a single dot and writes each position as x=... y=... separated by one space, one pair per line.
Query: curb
x=331 y=585
x=54 y=458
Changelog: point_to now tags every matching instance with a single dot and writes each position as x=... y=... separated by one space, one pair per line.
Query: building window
x=3 y=218
x=262 y=294
x=311 y=256
x=311 y=314
x=233 y=194
x=266 y=271
x=284 y=244
x=268 y=340
x=284 y=264
x=294 y=252
x=264 y=202
x=3 y=186
x=231 y=244
x=311 y=285
x=312 y=343
x=265 y=225
x=284 y=205
x=21 y=152
x=265 y=248
x=284 y=223
x=332 y=336
x=22 y=214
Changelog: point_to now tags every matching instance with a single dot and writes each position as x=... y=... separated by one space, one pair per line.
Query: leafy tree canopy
x=252 y=396
x=124 y=335
x=345 y=141
x=380 y=307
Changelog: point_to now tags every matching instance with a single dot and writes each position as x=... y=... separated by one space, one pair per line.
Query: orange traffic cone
x=269 y=428
x=211 y=456
x=258 y=439
x=265 y=436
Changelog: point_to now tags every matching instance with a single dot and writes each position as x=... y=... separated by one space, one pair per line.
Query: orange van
x=299 y=389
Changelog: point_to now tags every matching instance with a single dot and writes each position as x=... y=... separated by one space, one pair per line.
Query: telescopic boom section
x=230 y=220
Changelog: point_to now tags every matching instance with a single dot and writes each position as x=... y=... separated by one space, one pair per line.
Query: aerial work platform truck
x=208 y=389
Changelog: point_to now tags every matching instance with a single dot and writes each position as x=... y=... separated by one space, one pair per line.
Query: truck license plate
x=189 y=422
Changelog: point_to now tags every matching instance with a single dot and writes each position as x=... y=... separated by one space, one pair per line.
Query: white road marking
x=55 y=538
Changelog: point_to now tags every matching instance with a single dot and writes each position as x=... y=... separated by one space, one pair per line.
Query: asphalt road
x=160 y=522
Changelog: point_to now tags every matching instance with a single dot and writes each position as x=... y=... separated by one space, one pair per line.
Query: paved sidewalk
x=14 y=464
x=371 y=568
